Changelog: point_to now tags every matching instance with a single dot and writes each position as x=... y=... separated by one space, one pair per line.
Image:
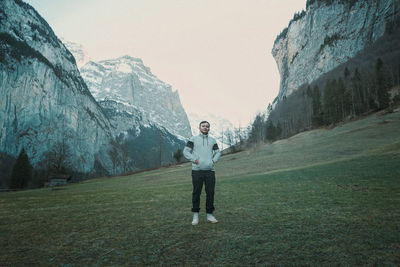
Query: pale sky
x=216 y=53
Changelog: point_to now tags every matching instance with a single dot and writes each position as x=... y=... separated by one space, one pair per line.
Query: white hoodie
x=203 y=148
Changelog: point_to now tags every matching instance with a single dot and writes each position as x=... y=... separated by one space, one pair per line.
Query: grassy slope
x=319 y=198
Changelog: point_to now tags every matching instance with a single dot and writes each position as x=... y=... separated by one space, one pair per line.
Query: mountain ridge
x=127 y=80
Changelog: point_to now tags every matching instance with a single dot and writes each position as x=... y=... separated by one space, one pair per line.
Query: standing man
x=202 y=150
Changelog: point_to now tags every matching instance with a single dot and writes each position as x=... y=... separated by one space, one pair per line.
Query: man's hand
x=196 y=162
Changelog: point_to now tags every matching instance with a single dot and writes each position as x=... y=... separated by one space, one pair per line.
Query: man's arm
x=188 y=151
x=216 y=153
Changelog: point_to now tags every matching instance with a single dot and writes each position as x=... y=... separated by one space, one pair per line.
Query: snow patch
x=123 y=67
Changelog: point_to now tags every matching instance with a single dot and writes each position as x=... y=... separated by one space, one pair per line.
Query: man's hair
x=204 y=122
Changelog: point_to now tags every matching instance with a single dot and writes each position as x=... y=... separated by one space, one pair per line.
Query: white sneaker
x=195 y=220
x=211 y=218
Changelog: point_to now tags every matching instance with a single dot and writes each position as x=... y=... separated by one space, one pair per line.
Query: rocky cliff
x=327 y=34
x=43 y=99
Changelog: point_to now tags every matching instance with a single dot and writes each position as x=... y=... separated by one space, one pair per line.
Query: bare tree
x=114 y=154
x=222 y=139
x=58 y=159
x=229 y=137
x=119 y=155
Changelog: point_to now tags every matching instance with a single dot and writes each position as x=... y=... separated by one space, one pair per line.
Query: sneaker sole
x=212 y=221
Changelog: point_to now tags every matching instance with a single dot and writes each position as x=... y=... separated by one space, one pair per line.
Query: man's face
x=204 y=128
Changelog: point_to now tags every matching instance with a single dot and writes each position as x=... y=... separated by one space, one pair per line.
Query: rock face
x=138 y=142
x=326 y=35
x=43 y=99
x=128 y=81
x=45 y=104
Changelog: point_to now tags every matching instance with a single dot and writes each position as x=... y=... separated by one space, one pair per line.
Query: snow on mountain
x=78 y=51
x=127 y=80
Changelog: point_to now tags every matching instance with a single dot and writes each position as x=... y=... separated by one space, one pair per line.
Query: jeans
x=198 y=178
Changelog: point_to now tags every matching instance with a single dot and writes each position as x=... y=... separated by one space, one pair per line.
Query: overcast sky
x=216 y=53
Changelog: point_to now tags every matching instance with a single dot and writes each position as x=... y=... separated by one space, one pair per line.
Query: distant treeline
x=128 y=153
x=367 y=83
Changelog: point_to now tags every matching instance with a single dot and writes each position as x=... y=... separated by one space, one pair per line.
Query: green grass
x=324 y=197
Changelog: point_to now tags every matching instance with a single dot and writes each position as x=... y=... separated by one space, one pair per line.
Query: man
x=202 y=150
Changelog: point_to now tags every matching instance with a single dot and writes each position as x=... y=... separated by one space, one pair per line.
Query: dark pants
x=198 y=178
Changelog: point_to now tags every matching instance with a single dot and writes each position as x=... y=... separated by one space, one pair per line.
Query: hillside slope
x=323 y=197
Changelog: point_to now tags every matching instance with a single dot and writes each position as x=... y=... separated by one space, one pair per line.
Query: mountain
x=47 y=109
x=80 y=54
x=126 y=90
x=128 y=81
x=44 y=100
x=339 y=61
x=325 y=35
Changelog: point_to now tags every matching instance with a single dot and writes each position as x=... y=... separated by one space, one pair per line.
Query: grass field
x=323 y=197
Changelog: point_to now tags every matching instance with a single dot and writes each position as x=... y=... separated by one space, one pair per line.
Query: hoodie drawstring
x=206 y=136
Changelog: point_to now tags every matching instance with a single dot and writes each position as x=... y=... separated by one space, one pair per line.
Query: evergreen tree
x=309 y=92
x=328 y=102
x=278 y=130
x=346 y=73
x=356 y=89
x=317 y=117
x=257 y=129
x=21 y=172
x=382 y=89
x=343 y=101
x=271 y=131
x=269 y=109
x=398 y=74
